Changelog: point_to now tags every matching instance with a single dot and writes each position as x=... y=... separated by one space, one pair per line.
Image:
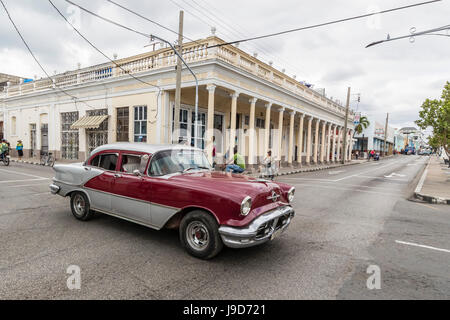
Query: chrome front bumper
x=54 y=188
x=260 y=230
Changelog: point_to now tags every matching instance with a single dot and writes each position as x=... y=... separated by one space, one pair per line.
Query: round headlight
x=246 y=205
x=290 y=194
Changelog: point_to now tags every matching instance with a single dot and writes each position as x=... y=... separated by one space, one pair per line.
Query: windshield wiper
x=198 y=167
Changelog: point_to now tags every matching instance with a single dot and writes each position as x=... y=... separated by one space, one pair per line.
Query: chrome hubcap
x=79 y=205
x=197 y=235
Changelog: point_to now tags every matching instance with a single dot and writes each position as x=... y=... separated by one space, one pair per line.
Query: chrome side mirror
x=137 y=173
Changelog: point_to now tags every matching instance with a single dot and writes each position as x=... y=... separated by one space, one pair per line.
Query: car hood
x=234 y=186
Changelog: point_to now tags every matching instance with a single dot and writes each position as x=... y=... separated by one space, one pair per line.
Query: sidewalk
x=35 y=161
x=288 y=170
x=434 y=185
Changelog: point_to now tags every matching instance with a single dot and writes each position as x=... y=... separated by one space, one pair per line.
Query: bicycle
x=4 y=157
x=47 y=159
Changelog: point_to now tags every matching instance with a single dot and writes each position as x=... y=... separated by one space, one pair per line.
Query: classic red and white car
x=174 y=186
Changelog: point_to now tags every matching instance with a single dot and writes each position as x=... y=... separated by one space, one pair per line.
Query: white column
x=280 y=130
x=350 y=145
x=333 y=151
x=291 y=137
x=131 y=124
x=267 y=128
x=251 y=138
x=316 y=141
x=210 y=124
x=300 y=140
x=308 y=141
x=328 y=143
x=39 y=136
x=234 y=97
x=338 y=156
x=322 y=147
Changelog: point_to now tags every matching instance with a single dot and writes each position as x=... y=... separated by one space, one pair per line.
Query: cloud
x=393 y=77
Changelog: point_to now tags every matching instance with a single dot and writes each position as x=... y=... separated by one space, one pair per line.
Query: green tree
x=363 y=124
x=436 y=114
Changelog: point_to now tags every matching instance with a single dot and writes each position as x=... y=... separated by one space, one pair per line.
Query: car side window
x=130 y=163
x=95 y=161
x=107 y=161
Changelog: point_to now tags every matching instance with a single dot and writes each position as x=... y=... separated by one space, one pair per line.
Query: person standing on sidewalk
x=19 y=148
x=269 y=164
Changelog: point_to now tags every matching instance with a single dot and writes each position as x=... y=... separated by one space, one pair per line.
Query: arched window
x=13 y=126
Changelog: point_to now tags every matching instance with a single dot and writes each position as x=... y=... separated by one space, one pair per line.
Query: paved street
x=346 y=220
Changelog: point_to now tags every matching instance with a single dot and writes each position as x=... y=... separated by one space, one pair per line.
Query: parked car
x=174 y=186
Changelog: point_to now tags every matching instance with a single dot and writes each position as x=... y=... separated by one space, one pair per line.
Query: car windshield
x=173 y=161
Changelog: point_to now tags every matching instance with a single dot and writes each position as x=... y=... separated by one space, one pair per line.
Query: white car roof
x=142 y=147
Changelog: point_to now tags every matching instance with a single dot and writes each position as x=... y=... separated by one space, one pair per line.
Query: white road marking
x=24 y=174
x=336 y=172
x=382 y=177
x=351 y=189
x=29 y=185
x=393 y=174
x=364 y=172
x=41 y=193
x=25 y=180
x=422 y=246
x=307 y=179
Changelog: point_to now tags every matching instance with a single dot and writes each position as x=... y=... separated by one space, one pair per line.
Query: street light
x=152 y=37
x=413 y=33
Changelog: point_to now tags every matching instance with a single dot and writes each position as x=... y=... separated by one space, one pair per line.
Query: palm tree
x=363 y=124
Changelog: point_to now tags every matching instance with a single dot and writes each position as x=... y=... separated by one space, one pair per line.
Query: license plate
x=276 y=234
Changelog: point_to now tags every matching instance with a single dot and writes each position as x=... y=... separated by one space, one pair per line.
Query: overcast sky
x=393 y=77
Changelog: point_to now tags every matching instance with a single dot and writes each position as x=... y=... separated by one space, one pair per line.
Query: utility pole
x=385 y=133
x=176 y=120
x=344 y=149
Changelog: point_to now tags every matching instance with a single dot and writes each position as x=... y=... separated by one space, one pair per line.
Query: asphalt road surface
x=347 y=220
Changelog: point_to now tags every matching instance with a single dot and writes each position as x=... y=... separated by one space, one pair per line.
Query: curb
x=424 y=197
x=310 y=169
x=27 y=162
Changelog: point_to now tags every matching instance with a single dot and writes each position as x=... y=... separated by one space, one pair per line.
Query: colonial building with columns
x=242 y=101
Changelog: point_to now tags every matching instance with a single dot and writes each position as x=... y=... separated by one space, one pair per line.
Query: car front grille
x=272 y=225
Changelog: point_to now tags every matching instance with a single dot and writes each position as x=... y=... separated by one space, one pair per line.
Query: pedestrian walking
x=214 y=151
x=269 y=165
x=19 y=148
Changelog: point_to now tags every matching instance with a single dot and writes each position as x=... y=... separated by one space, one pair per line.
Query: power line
x=325 y=23
x=102 y=53
x=35 y=59
x=414 y=34
x=190 y=13
x=150 y=20
x=109 y=20
x=234 y=30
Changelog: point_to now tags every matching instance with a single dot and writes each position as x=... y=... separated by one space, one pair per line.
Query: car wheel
x=199 y=234
x=80 y=206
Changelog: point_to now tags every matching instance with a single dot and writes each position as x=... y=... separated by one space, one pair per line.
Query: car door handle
x=116 y=175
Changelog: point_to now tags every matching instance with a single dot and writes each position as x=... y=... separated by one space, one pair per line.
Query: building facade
x=372 y=138
x=241 y=101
